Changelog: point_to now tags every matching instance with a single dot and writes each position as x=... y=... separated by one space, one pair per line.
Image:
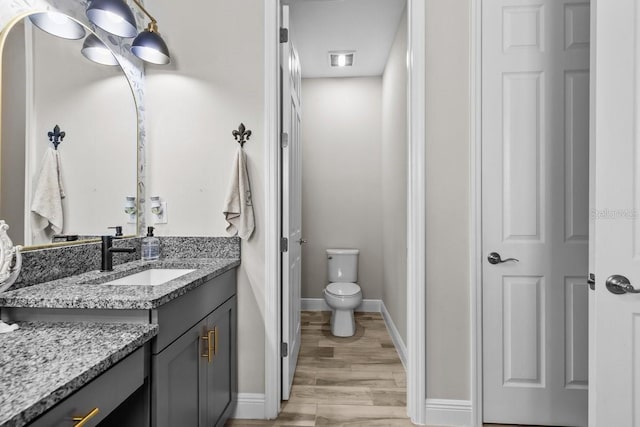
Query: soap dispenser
x=150 y=246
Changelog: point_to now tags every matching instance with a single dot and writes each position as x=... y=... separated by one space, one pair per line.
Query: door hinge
x=284 y=244
x=591 y=281
x=284 y=35
x=284 y=349
x=284 y=140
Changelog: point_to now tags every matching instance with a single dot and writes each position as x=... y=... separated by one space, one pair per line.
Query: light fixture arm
x=153 y=25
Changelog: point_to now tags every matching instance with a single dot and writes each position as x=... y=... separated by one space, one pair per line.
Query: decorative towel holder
x=56 y=136
x=240 y=134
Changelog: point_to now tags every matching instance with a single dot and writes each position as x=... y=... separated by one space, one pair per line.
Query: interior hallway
x=356 y=381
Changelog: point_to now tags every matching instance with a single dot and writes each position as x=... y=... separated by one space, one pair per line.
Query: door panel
x=178 y=393
x=614 y=322
x=535 y=154
x=220 y=372
x=291 y=206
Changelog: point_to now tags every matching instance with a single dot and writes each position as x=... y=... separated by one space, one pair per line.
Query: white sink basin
x=152 y=277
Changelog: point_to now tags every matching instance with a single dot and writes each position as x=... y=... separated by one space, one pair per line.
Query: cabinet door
x=178 y=394
x=221 y=370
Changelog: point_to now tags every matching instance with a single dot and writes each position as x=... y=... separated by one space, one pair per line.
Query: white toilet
x=342 y=293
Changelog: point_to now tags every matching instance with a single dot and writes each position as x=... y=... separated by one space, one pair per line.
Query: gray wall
x=394 y=181
x=215 y=81
x=342 y=178
x=447 y=197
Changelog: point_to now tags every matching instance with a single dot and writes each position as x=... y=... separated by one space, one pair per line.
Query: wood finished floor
x=356 y=381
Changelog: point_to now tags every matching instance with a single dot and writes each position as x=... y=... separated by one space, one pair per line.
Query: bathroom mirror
x=46 y=81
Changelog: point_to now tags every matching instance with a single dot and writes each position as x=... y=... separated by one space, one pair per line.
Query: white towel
x=46 y=206
x=238 y=207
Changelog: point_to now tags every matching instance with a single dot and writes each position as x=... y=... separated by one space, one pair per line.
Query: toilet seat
x=343 y=289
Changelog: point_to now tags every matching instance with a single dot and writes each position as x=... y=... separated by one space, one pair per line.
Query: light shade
x=150 y=47
x=58 y=24
x=113 y=16
x=96 y=51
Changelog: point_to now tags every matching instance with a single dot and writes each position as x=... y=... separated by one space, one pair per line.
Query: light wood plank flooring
x=356 y=381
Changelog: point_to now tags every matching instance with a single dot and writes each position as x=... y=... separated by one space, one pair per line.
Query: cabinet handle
x=81 y=421
x=210 y=340
x=215 y=341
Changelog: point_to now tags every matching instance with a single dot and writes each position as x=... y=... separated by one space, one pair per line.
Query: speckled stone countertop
x=40 y=365
x=87 y=291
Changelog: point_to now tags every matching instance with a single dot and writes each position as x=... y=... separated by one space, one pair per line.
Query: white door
x=291 y=207
x=614 y=321
x=535 y=112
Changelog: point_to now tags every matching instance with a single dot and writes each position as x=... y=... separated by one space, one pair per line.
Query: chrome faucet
x=108 y=250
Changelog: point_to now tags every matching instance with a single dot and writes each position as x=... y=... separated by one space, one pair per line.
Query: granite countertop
x=87 y=291
x=40 y=365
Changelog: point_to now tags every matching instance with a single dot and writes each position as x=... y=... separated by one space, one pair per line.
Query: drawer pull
x=81 y=421
x=211 y=341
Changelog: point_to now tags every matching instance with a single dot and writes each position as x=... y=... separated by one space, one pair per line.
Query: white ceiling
x=365 y=26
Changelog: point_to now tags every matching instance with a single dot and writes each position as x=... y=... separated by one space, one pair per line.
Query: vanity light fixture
x=96 y=51
x=58 y=24
x=116 y=17
x=341 y=59
x=113 y=16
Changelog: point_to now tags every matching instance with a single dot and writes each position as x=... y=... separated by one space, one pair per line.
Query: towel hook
x=56 y=136
x=240 y=134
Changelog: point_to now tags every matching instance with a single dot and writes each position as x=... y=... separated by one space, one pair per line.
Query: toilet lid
x=343 y=288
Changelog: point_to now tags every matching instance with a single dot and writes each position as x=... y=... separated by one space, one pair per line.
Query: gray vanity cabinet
x=194 y=377
x=99 y=398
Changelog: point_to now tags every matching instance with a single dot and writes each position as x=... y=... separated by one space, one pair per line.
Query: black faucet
x=108 y=250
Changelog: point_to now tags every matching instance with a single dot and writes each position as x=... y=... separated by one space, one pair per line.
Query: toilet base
x=342 y=323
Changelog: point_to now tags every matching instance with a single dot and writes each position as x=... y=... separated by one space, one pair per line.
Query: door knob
x=301 y=241
x=494 y=258
x=620 y=285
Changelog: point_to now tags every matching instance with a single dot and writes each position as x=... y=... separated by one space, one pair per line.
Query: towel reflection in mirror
x=47 y=217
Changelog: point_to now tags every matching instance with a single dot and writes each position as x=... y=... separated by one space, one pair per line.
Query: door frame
x=416 y=212
x=475 y=205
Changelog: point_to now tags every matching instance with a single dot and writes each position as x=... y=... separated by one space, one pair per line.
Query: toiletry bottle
x=150 y=246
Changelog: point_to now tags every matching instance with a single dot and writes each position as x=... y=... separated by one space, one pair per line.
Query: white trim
x=319 y=304
x=401 y=348
x=416 y=213
x=448 y=412
x=272 y=366
x=475 y=203
x=249 y=406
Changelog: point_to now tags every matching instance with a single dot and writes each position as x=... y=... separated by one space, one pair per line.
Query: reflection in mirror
x=46 y=81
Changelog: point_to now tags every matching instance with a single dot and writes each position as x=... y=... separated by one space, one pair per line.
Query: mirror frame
x=14 y=11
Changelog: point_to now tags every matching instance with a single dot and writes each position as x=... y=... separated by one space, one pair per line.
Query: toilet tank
x=342 y=265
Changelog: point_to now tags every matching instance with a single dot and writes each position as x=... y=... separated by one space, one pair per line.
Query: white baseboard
x=250 y=406
x=319 y=304
x=401 y=348
x=448 y=412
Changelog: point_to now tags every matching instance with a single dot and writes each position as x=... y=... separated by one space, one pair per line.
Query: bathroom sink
x=151 y=277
